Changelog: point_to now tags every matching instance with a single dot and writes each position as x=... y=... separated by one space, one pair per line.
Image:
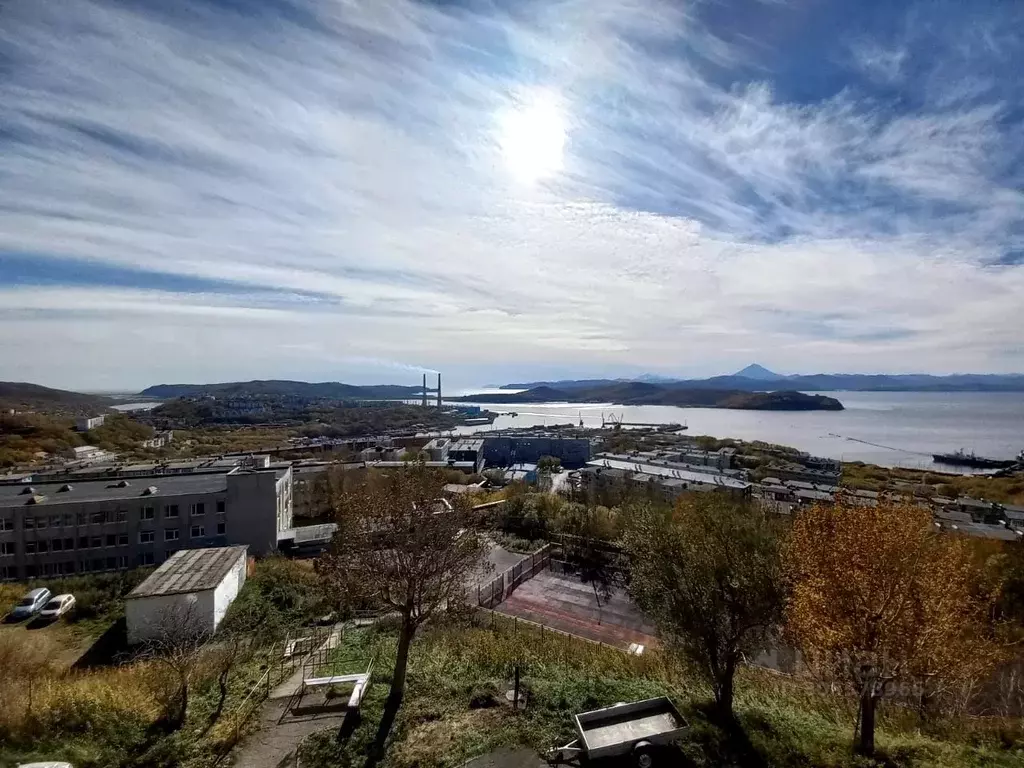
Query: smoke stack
x=424 y=390
x=438 y=390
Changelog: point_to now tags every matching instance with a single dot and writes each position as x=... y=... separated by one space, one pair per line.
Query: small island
x=642 y=393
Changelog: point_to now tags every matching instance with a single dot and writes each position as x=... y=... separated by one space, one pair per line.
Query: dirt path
x=274 y=744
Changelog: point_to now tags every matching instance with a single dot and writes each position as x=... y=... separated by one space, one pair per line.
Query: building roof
x=189 y=570
x=983 y=531
x=111 y=489
x=705 y=478
x=468 y=444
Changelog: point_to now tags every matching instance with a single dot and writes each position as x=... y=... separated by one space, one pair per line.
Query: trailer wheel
x=643 y=755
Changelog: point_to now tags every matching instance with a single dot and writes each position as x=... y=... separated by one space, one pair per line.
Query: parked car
x=49 y=764
x=31 y=603
x=58 y=606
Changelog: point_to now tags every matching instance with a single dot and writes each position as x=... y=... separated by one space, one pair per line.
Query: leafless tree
x=176 y=639
x=398 y=544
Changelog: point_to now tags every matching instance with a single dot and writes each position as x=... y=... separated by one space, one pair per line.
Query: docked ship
x=963 y=459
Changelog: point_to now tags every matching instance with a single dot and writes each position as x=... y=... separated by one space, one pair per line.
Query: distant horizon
x=461 y=388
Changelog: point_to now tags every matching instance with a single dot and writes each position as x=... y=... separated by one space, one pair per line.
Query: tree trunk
x=868 y=702
x=724 y=690
x=178 y=718
x=395 y=695
x=222 y=696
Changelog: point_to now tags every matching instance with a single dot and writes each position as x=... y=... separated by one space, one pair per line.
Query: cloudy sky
x=359 y=189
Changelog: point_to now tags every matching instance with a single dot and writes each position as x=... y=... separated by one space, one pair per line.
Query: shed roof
x=189 y=570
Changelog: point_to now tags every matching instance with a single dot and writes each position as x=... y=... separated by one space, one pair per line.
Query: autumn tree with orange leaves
x=882 y=599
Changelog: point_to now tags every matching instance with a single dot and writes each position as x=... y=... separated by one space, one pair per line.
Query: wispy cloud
x=201 y=190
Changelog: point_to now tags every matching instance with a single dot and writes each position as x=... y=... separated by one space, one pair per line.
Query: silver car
x=31 y=603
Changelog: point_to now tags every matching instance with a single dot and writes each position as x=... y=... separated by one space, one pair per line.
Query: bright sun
x=532 y=137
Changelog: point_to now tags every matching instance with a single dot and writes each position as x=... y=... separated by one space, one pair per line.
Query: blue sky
x=361 y=189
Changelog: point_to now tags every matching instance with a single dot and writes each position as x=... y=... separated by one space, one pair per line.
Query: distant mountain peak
x=759 y=372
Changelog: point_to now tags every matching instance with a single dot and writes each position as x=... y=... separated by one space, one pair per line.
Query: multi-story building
x=85 y=423
x=102 y=525
x=513 y=448
x=606 y=474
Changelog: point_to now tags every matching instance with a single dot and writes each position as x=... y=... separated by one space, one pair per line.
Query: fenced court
x=564 y=602
x=535 y=589
x=502 y=586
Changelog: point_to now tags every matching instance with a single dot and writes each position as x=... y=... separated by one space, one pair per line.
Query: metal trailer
x=637 y=729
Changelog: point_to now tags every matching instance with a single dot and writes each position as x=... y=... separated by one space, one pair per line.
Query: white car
x=58 y=606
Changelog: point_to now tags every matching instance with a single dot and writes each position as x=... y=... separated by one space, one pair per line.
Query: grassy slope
x=783 y=723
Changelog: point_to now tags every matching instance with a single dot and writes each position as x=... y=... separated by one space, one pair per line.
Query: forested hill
x=329 y=390
x=21 y=396
x=642 y=393
x=818 y=382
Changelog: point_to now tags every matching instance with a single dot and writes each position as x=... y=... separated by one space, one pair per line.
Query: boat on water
x=962 y=458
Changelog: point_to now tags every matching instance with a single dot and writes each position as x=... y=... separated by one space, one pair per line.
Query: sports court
x=564 y=602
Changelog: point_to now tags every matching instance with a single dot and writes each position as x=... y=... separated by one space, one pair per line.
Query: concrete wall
x=147 y=617
x=228 y=590
x=258 y=506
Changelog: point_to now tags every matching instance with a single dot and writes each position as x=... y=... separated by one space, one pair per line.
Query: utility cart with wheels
x=635 y=729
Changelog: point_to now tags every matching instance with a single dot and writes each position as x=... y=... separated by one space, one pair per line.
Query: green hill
x=22 y=396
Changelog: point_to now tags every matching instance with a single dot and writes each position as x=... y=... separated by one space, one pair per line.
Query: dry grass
x=457 y=669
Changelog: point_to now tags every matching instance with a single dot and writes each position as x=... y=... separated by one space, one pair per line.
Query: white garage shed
x=190 y=593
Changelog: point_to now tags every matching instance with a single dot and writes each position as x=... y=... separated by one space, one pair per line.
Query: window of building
x=69 y=544
x=146 y=558
x=171 y=534
x=146 y=537
x=122 y=539
x=171 y=510
x=69 y=519
x=57 y=545
x=82 y=518
x=121 y=515
x=96 y=542
x=6 y=524
x=221 y=506
x=111 y=563
x=55 y=521
x=197 y=510
x=95 y=517
x=197 y=531
x=29 y=523
x=43 y=545
x=8 y=572
x=222 y=528
x=30 y=547
x=83 y=542
x=148 y=513
x=8 y=548
x=110 y=516
x=122 y=561
x=42 y=521
x=111 y=540
x=30 y=571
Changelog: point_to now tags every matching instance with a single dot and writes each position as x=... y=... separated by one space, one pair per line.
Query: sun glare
x=532 y=137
